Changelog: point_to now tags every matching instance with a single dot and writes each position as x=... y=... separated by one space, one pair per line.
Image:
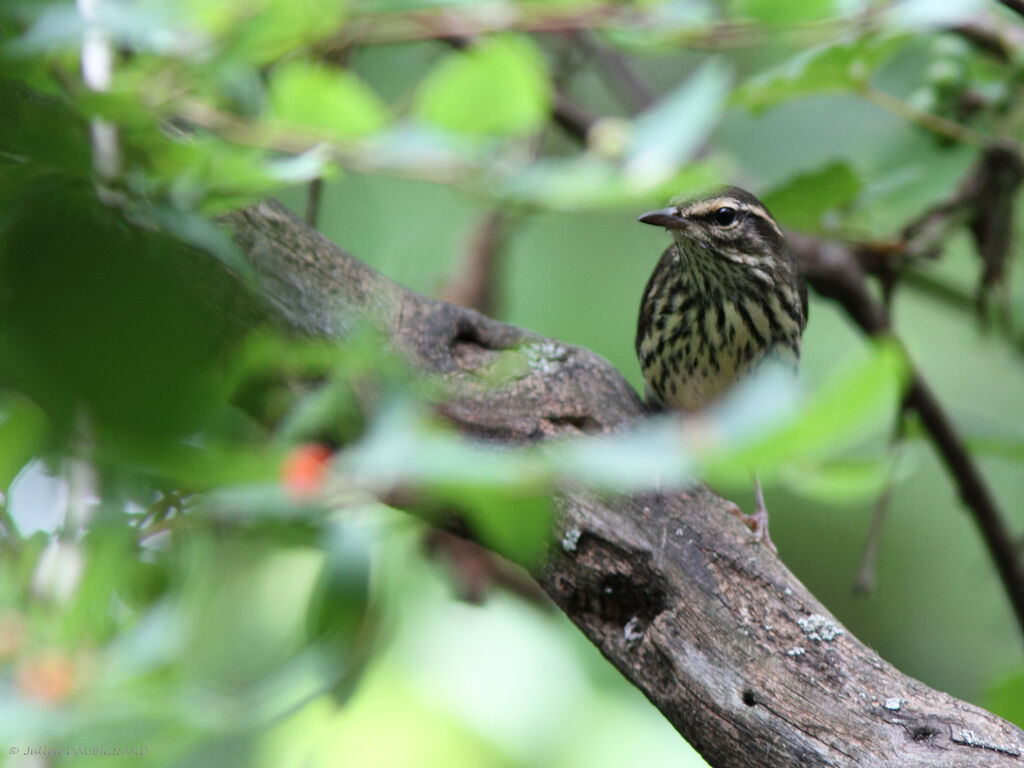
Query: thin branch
x=313 y=192
x=572 y=118
x=927 y=120
x=474 y=284
x=867 y=573
x=449 y=21
x=619 y=72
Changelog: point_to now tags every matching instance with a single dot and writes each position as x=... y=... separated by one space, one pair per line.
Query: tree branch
x=726 y=642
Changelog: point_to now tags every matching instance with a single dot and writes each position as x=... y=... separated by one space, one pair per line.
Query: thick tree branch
x=725 y=641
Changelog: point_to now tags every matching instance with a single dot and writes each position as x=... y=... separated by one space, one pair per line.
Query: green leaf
x=590 y=182
x=838 y=67
x=851 y=406
x=772 y=12
x=670 y=133
x=498 y=87
x=517 y=525
x=804 y=199
x=652 y=453
x=23 y=428
x=327 y=98
x=501 y=493
x=1006 y=697
x=840 y=482
x=262 y=31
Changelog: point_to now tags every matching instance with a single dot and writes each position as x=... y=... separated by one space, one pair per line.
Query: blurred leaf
x=590 y=182
x=516 y=525
x=106 y=318
x=338 y=611
x=652 y=453
x=850 y=406
x=801 y=202
x=261 y=31
x=1006 y=697
x=324 y=97
x=501 y=493
x=199 y=232
x=841 y=482
x=318 y=416
x=837 y=67
x=213 y=174
x=364 y=734
x=672 y=131
x=771 y=12
x=405 y=447
x=498 y=86
x=23 y=427
x=136 y=26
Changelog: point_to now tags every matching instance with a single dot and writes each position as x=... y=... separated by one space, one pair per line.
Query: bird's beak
x=666 y=217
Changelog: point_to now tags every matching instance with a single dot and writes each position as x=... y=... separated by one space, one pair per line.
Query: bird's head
x=729 y=224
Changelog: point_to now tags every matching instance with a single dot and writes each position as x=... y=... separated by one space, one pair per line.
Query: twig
x=987 y=39
x=927 y=120
x=867 y=573
x=572 y=118
x=313 y=190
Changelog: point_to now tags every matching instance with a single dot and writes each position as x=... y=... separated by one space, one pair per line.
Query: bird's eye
x=725 y=216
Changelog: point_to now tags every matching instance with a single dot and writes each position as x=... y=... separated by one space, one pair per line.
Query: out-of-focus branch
x=619 y=71
x=474 y=282
x=452 y=21
x=313 y=193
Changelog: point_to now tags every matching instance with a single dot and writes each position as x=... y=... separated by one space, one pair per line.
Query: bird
x=726 y=296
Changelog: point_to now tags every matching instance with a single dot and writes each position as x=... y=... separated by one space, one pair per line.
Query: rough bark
x=748 y=666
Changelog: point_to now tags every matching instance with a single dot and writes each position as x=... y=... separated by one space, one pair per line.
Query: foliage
x=214 y=563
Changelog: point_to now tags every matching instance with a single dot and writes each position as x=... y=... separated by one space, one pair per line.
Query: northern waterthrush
x=725 y=297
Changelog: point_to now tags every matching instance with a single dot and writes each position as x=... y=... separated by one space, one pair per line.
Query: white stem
x=97 y=74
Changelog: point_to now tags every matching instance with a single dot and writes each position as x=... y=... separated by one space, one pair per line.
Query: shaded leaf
x=792 y=12
x=23 y=427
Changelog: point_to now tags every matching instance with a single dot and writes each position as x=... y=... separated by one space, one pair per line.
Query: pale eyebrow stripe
x=704 y=207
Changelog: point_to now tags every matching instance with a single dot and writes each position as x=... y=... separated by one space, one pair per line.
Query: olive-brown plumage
x=726 y=296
